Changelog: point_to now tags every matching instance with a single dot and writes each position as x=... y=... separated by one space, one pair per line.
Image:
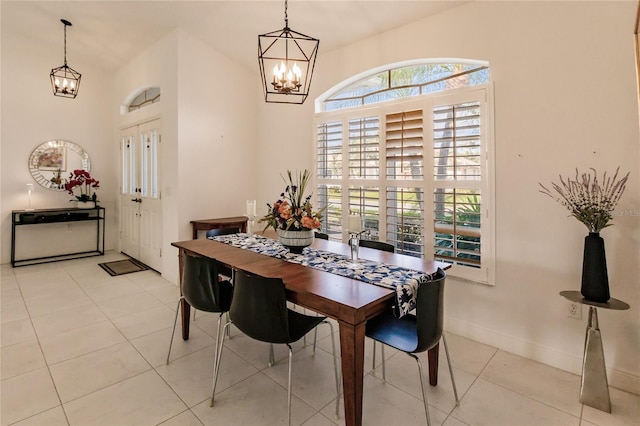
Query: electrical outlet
x=575 y=310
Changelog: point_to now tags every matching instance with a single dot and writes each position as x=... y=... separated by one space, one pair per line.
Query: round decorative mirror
x=52 y=161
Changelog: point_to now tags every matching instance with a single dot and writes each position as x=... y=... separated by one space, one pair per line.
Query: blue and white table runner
x=404 y=281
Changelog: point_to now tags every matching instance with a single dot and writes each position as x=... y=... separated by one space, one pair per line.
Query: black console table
x=49 y=216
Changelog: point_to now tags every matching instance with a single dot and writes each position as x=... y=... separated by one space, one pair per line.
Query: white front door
x=140 y=196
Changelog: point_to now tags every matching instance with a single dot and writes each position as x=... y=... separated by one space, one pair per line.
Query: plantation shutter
x=330 y=196
x=329 y=141
x=364 y=148
x=405 y=216
x=404 y=143
x=457 y=174
x=365 y=201
x=329 y=150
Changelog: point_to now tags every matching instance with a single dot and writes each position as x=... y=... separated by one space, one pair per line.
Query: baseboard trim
x=617 y=378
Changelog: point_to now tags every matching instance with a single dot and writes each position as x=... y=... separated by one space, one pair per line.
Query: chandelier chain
x=65 y=44
x=286 y=17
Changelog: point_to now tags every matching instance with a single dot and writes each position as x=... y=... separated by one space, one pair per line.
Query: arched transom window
x=405 y=81
x=146 y=97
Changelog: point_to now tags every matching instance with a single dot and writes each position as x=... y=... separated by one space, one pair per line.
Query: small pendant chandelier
x=290 y=57
x=65 y=80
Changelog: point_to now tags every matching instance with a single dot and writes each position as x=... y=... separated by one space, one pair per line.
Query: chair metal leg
x=216 y=353
x=304 y=338
x=384 y=369
x=272 y=358
x=215 y=365
x=335 y=369
x=453 y=382
x=373 y=364
x=315 y=338
x=175 y=321
x=424 y=391
x=227 y=313
x=289 y=386
x=218 y=359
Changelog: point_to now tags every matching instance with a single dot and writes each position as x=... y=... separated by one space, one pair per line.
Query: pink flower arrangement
x=293 y=211
x=82 y=179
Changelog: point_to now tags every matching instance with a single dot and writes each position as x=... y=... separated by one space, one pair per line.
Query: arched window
x=408 y=148
x=404 y=80
x=145 y=98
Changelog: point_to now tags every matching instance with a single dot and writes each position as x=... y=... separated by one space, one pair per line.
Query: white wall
x=208 y=133
x=565 y=97
x=217 y=117
x=31 y=115
x=284 y=144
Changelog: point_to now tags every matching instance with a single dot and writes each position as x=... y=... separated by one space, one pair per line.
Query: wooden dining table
x=348 y=301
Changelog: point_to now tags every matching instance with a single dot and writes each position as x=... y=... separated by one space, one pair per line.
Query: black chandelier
x=292 y=57
x=65 y=80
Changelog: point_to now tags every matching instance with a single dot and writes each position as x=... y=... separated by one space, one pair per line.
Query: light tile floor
x=80 y=347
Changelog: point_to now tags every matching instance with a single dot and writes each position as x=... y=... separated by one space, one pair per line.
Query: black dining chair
x=203 y=290
x=321 y=235
x=417 y=333
x=378 y=245
x=259 y=310
x=225 y=272
x=222 y=231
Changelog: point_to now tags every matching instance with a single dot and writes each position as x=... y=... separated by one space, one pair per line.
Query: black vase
x=595 y=282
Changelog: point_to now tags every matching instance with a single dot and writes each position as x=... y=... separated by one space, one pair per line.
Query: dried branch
x=589 y=200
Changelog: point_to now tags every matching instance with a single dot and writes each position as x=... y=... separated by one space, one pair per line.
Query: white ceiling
x=111 y=33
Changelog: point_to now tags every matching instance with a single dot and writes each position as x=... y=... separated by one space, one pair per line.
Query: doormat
x=121 y=267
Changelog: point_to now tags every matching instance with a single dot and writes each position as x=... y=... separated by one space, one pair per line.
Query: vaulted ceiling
x=111 y=33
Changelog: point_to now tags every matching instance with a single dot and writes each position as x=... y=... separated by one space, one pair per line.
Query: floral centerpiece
x=292 y=215
x=592 y=202
x=82 y=181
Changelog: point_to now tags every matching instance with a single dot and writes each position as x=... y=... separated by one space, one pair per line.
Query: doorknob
x=137 y=200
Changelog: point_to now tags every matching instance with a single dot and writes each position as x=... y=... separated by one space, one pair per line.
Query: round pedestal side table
x=594 y=387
